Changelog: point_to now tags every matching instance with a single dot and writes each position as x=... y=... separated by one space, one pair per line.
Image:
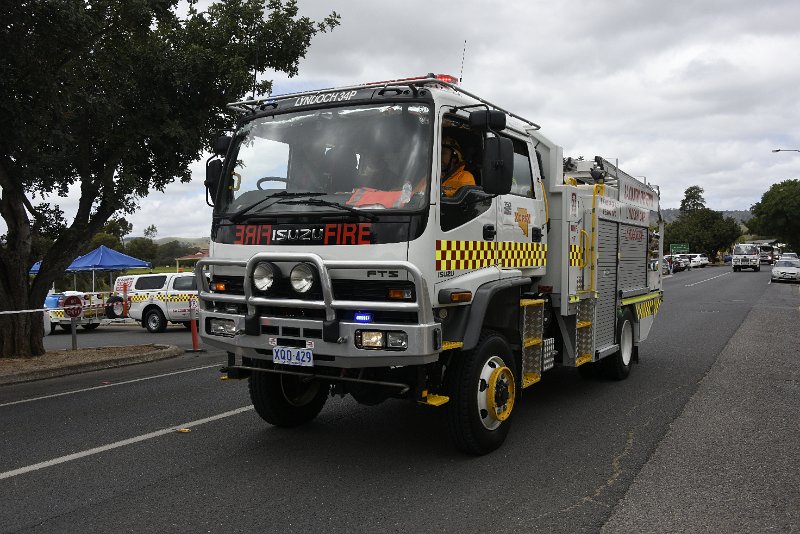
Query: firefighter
x=454 y=176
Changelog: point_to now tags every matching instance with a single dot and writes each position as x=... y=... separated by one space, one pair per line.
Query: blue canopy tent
x=101 y=259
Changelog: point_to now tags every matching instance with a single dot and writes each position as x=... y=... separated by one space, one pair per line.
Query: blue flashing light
x=363 y=317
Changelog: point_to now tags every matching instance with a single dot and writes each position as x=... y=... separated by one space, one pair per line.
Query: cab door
x=179 y=294
x=521 y=232
x=466 y=241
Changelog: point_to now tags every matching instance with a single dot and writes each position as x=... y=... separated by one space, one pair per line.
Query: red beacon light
x=447 y=78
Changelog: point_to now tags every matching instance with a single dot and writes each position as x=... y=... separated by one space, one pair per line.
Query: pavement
x=67 y=362
x=742 y=423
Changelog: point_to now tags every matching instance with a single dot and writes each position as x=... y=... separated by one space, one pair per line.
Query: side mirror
x=498 y=165
x=487 y=119
x=213 y=174
x=221 y=145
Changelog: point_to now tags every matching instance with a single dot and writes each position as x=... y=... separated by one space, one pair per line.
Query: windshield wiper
x=320 y=202
x=237 y=215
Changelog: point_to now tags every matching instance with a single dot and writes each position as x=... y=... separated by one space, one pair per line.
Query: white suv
x=158 y=298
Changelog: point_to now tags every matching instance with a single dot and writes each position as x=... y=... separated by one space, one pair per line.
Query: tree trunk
x=21 y=335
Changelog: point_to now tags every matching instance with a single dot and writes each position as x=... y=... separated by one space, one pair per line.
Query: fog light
x=221 y=327
x=369 y=339
x=397 y=340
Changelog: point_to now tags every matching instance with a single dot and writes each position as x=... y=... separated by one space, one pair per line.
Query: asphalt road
x=101 y=451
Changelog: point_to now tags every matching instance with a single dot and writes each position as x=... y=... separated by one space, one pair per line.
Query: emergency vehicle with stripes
x=159 y=298
x=339 y=264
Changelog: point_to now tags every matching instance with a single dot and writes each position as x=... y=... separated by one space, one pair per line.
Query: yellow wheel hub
x=501 y=393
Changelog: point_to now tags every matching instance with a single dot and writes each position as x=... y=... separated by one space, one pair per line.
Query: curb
x=162 y=353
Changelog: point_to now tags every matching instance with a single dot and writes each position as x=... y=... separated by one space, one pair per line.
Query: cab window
x=522 y=181
x=458 y=205
x=150 y=282
x=185 y=283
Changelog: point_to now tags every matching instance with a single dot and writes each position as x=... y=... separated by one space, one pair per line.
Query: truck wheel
x=757 y=269
x=154 y=321
x=618 y=365
x=483 y=392
x=67 y=327
x=114 y=308
x=90 y=326
x=286 y=400
x=53 y=327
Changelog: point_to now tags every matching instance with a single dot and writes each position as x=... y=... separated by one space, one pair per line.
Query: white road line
x=108 y=385
x=707 y=279
x=116 y=445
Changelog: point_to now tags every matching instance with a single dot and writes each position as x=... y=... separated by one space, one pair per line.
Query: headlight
x=264 y=276
x=302 y=277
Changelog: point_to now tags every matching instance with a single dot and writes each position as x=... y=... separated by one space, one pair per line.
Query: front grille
x=374 y=290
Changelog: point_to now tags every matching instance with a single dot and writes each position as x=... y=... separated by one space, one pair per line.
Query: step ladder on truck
x=338 y=266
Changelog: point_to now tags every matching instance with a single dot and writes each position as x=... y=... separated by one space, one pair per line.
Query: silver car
x=786 y=270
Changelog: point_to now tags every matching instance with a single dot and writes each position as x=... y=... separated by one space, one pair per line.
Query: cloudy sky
x=682 y=92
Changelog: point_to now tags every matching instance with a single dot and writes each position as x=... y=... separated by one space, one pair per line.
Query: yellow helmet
x=453 y=145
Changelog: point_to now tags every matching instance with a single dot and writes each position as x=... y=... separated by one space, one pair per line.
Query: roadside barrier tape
x=27 y=311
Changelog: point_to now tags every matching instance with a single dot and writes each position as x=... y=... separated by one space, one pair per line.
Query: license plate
x=293 y=356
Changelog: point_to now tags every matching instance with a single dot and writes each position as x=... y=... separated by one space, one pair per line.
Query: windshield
x=374 y=157
x=787 y=263
x=745 y=250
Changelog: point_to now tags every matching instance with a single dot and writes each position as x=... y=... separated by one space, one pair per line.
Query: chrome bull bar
x=422 y=306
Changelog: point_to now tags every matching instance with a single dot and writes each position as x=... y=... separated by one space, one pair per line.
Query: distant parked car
x=727 y=258
x=788 y=270
x=678 y=263
x=692 y=259
x=698 y=260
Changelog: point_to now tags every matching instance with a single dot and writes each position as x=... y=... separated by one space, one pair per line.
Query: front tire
x=90 y=326
x=483 y=392
x=154 y=321
x=286 y=400
x=618 y=365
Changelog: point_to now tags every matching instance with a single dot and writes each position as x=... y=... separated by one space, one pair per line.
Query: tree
x=151 y=231
x=116 y=98
x=778 y=213
x=171 y=250
x=704 y=230
x=142 y=248
x=118 y=227
x=692 y=199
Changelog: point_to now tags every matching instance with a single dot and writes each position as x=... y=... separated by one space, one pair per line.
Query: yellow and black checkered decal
x=648 y=307
x=471 y=255
x=178 y=297
x=461 y=255
x=513 y=254
x=575 y=256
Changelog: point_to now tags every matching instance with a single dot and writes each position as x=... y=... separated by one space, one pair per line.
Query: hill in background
x=199 y=242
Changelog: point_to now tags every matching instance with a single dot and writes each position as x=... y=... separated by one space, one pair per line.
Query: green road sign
x=679 y=248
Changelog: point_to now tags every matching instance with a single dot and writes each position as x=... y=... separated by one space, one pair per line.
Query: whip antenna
x=463 y=53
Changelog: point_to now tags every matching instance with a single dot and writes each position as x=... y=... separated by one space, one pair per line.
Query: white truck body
x=416 y=295
x=746 y=256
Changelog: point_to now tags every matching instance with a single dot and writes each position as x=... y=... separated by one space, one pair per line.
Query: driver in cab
x=454 y=175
